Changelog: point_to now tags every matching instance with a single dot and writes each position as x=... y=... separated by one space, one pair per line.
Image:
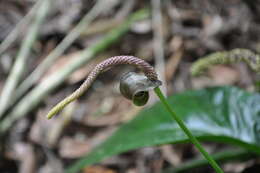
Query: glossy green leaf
x=224 y=114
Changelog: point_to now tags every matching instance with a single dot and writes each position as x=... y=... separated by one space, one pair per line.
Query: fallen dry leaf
x=47 y=132
x=72 y=148
x=67 y=145
x=19 y=150
x=223 y=75
x=61 y=63
x=98 y=169
x=217 y=75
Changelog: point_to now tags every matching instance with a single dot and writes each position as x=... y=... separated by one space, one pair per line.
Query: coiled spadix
x=135 y=87
x=146 y=68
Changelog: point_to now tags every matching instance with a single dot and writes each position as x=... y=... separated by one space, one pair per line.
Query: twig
x=177 y=48
x=58 y=51
x=124 y=11
x=13 y=34
x=20 y=62
x=33 y=98
x=158 y=42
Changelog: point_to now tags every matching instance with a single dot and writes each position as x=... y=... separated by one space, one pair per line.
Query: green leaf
x=223 y=114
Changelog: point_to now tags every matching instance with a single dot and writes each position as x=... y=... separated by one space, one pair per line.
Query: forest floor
x=172 y=38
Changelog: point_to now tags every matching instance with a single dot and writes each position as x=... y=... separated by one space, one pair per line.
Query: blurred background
x=73 y=35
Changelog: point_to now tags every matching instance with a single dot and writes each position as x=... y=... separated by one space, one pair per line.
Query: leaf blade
x=222 y=114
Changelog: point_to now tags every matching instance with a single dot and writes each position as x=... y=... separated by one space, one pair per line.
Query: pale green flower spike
x=227 y=57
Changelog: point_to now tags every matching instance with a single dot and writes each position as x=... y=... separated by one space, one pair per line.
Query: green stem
x=257 y=86
x=187 y=131
x=223 y=156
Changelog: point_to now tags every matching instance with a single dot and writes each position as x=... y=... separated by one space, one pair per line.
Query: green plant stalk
x=223 y=156
x=187 y=131
x=257 y=85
